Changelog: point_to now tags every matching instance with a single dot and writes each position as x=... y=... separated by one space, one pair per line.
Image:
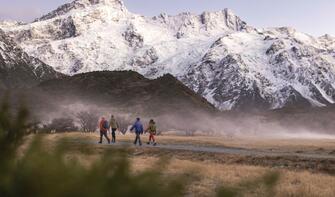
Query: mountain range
x=216 y=54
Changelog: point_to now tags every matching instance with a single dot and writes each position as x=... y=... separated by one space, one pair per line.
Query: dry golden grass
x=305 y=184
x=210 y=174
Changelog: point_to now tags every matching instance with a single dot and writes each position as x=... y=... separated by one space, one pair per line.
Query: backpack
x=152 y=129
x=106 y=125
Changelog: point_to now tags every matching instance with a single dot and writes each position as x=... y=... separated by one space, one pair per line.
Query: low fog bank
x=199 y=123
x=186 y=121
x=302 y=135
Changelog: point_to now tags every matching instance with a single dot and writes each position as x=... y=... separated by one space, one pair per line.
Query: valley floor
x=306 y=167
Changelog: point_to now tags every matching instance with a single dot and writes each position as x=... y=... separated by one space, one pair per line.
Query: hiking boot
x=155 y=144
x=148 y=143
x=109 y=141
x=100 y=142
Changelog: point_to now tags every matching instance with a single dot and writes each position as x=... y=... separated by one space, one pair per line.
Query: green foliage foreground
x=48 y=173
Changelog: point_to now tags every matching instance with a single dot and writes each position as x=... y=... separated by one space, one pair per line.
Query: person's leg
x=139 y=139
x=100 y=137
x=149 y=139
x=109 y=141
x=136 y=138
x=113 y=135
x=106 y=136
x=153 y=139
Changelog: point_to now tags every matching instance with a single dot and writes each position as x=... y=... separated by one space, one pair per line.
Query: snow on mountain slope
x=18 y=69
x=215 y=53
x=272 y=68
x=85 y=36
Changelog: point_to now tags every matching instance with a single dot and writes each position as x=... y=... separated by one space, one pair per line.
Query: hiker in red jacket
x=104 y=126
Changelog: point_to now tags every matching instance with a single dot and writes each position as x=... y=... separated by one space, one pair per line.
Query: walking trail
x=225 y=150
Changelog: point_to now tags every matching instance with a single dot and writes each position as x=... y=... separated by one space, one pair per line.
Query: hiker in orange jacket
x=103 y=126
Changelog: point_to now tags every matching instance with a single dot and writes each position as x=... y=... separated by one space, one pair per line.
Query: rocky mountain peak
x=82 y=5
x=327 y=37
x=226 y=16
x=114 y=3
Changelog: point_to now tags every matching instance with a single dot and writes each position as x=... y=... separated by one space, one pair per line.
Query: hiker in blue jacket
x=138 y=126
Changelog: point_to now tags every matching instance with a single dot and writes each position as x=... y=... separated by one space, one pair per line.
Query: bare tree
x=61 y=125
x=88 y=121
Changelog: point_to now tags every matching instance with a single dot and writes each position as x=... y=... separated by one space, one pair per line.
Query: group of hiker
x=137 y=127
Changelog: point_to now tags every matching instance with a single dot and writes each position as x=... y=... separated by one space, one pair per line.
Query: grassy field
x=251 y=143
x=212 y=171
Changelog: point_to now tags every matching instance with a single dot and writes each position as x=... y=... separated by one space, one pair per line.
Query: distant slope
x=127 y=90
x=18 y=69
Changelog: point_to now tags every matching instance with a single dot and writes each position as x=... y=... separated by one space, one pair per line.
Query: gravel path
x=226 y=150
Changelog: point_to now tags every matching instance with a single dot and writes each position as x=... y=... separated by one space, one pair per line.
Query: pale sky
x=315 y=17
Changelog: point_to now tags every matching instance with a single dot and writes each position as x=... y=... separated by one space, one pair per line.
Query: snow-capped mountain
x=216 y=54
x=18 y=69
x=274 y=68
